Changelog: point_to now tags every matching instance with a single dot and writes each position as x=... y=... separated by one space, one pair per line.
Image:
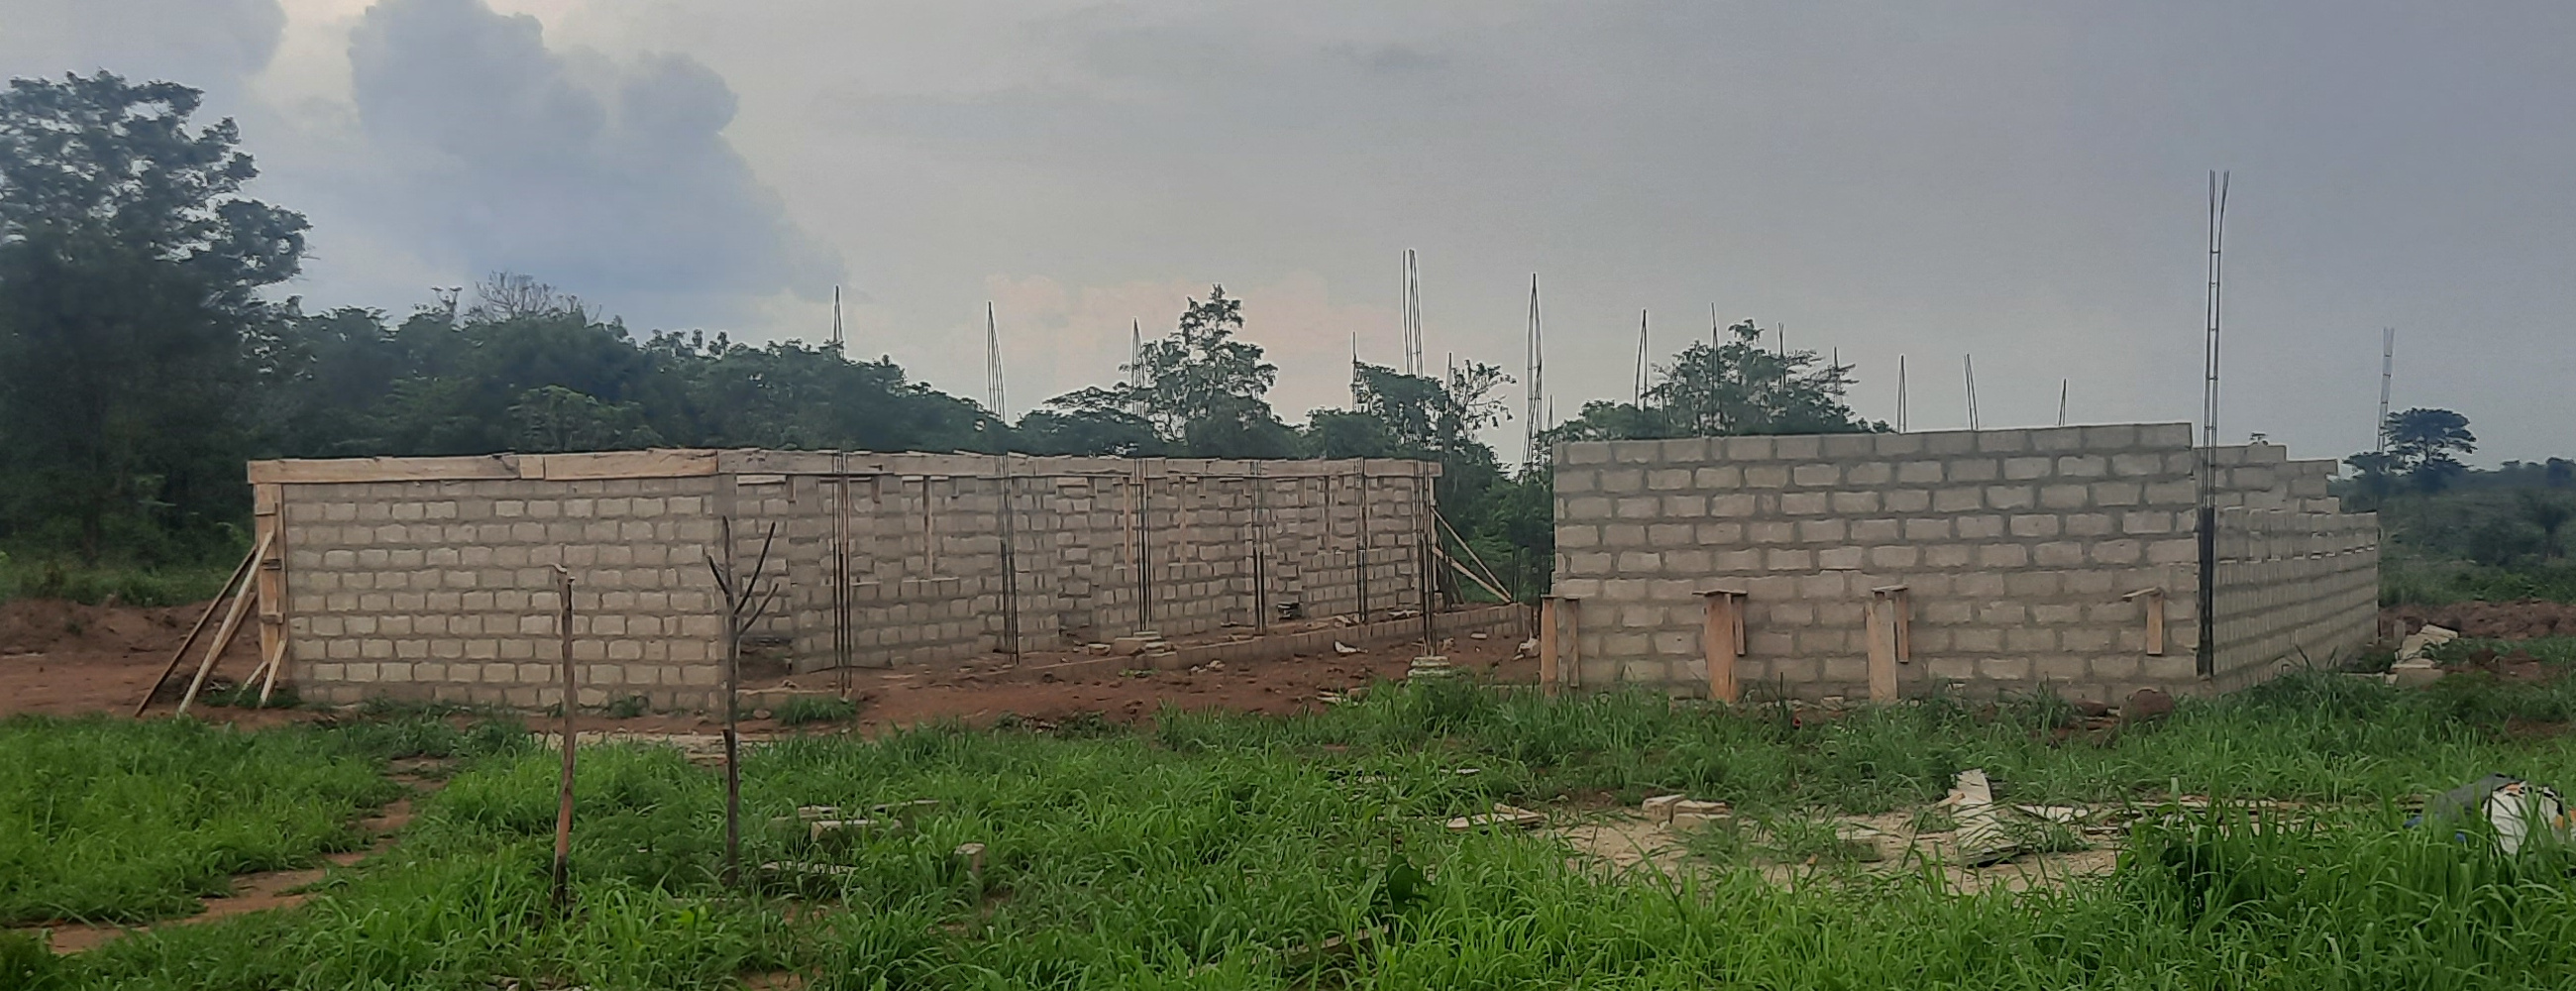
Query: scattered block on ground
x=1503 y=816
x=823 y=829
x=1691 y=814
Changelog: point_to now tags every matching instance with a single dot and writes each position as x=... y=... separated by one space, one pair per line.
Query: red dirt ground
x=2524 y=620
x=62 y=658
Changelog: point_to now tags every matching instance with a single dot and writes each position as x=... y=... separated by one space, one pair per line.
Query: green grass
x=2410 y=579
x=800 y=710
x=111 y=822
x=32 y=577
x=1226 y=851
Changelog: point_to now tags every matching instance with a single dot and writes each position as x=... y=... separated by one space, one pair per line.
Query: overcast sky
x=2020 y=181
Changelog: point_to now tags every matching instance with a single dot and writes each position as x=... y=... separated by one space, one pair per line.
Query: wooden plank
x=269 y=574
x=656 y=463
x=1882 y=651
x=180 y=654
x=272 y=662
x=341 y=470
x=1900 y=600
x=223 y=634
x=2155 y=618
x=1718 y=636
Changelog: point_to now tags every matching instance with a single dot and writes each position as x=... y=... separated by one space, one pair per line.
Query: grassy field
x=1221 y=851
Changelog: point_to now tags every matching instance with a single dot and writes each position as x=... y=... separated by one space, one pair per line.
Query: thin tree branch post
x=563 y=793
x=744 y=605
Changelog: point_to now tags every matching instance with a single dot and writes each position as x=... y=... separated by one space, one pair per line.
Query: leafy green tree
x=1087 y=431
x=552 y=418
x=2423 y=443
x=1202 y=388
x=2374 y=477
x=1737 y=387
x=1729 y=387
x=129 y=270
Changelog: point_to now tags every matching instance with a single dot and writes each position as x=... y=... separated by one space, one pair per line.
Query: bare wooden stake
x=563 y=794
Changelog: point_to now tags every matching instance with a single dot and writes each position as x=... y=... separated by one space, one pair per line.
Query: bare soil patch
x=2525 y=620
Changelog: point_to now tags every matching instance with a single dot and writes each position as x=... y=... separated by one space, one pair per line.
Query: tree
x=1728 y=387
x=1087 y=431
x=129 y=270
x=1200 y=387
x=1736 y=387
x=2422 y=442
x=2375 y=475
x=552 y=418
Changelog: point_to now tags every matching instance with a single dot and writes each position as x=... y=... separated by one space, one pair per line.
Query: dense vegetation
x=2458 y=533
x=141 y=363
x=1223 y=851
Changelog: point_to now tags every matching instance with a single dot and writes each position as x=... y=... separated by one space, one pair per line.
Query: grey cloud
x=210 y=44
x=614 y=180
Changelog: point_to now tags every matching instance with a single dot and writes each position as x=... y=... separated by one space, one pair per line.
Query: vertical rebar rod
x=2206 y=659
x=1362 y=497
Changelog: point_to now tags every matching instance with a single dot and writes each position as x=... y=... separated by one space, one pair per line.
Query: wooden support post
x=2155 y=618
x=269 y=576
x=1722 y=642
x=224 y=633
x=1882 y=654
x=563 y=793
x=216 y=606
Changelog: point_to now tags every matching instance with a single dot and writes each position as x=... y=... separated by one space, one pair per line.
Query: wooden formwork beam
x=1722 y=641
x=2155 y=599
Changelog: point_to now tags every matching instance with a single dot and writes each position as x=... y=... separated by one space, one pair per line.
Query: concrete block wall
x=1099 y=547
x=2292 y=588
x=2019 y=549
x=445 y=590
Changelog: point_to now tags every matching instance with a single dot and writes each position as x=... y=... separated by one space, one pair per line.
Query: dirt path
x=62 y=658
x=264 y=890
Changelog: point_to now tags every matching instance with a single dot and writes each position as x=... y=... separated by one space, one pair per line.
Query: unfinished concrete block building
x=434 y=578
x=1876 y=565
